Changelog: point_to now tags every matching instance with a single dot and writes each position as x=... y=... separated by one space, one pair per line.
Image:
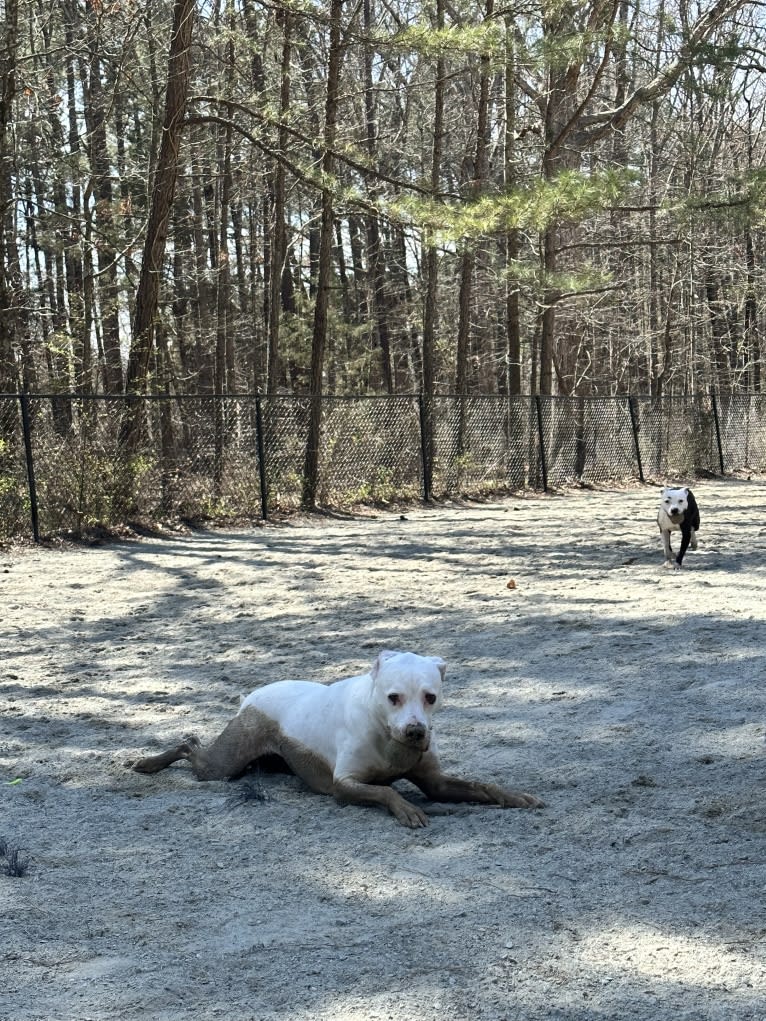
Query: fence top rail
x=68 y=396
x=212 y=396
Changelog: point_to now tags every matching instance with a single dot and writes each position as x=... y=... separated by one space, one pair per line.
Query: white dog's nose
x=414 y=731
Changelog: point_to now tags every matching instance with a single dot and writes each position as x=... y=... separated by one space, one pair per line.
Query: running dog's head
x=406 y=690
x=674 y=502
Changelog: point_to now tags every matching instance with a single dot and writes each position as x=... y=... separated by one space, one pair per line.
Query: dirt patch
x=630 y=698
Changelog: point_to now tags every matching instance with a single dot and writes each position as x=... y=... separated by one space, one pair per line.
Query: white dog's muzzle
x=413 y=735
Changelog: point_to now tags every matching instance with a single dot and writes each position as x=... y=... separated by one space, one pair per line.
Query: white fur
x=351 y=739
x=673 y=505
x=351 y=723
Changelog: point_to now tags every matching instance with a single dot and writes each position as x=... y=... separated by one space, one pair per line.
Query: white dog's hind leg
x=154 y=763
x=244 y=739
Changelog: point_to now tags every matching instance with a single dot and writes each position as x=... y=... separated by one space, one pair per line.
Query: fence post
x=261 y=458
x=26 y=429
x=424 y=449
x=636 y=444
x=717 y=431
x=541 y=441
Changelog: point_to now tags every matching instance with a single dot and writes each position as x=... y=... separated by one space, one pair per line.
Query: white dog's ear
x=440 y=663
x=383 y=655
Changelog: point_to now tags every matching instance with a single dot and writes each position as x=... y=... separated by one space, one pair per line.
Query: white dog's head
x=674 y=502
x=406 y=690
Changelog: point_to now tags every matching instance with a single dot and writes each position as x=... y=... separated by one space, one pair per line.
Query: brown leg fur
x=353 y=792
x=439 y=786
x=243 y=740
x=154 y=763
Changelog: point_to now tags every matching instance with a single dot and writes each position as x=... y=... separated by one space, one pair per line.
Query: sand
x=628 y=697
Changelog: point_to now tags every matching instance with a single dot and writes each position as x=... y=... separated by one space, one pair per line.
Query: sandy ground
x=628 y=697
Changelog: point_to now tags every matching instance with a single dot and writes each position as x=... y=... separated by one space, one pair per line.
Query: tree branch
x=596 y=126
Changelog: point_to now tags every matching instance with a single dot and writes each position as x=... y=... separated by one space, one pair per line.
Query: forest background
x=381 y=196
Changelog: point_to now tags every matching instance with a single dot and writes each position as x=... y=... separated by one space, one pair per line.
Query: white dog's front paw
x=670 y=565
x=515 y=799
x=409 y=815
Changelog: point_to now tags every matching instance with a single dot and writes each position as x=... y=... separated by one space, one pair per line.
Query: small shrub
x=14 y=863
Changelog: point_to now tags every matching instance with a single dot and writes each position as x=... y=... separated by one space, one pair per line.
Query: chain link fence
x=66 y=465
x=743 y=436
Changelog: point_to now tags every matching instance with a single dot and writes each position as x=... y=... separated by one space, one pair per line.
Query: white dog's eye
x=393 y=698
x=430 y=697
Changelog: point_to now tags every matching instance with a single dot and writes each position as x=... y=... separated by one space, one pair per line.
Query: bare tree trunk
x=548 y=313
x=431 y=260
x=402 y=277
x=223 y=368
x=79 y=310
x=378 y=274
x=468 y=257
x=752 y=335
x=128 y=222
x=49 y=272
x=279 y=236
x=721 y=376
x=324 y=261
x=559 y=108
x=185 y=325
x=95 y=116
x=202 y=289
x=511 y=370
x=8 y=264
x=225 y=380
x=165 y=177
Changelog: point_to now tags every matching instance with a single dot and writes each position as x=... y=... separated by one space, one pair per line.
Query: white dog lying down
x=351 y=739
